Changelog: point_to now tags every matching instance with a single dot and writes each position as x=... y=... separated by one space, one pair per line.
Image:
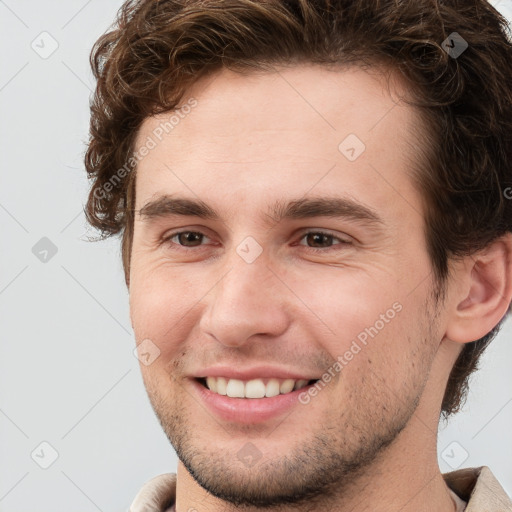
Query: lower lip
x=247 y=410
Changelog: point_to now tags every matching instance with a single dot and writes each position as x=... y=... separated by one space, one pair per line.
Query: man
x=316 y=240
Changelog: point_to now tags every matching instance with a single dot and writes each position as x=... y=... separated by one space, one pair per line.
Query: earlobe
x=487 y=292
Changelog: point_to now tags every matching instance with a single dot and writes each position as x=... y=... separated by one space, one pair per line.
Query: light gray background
x=68 y=376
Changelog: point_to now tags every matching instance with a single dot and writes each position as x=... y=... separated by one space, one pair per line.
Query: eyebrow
x=336 y=207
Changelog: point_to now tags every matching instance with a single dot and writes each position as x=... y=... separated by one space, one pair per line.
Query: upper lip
x=256 y=372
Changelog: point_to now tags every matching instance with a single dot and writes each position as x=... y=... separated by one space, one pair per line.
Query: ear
x=485 y=292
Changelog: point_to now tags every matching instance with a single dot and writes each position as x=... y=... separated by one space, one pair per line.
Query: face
x=270 y=244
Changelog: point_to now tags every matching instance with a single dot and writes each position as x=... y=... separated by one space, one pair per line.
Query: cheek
x=165 y=305
x=157 y=302
x=367 y=322
x=347 y=302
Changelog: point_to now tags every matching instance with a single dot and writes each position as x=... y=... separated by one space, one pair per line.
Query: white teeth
x=211 y=383
x=235 y=388
x=255 y=388
x=272 y=388
x=221 y=385
x=286 y=386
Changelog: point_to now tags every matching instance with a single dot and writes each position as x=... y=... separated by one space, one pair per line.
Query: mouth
x=250 y=401
x=254 y=388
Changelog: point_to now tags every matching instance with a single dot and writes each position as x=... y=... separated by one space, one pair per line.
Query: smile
x=254 y=388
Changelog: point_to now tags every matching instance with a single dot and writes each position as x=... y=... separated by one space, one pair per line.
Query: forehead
x=242 y=137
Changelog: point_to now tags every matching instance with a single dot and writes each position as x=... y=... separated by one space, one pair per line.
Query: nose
x=248 y=301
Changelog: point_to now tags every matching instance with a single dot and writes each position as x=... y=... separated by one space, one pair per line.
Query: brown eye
x=185 y=238
x=189 y=237
x=318 y=240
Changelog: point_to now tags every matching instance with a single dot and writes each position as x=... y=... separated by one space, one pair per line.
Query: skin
x=367 y=441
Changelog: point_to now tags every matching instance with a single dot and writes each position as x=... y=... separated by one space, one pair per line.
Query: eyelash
x=167 y=240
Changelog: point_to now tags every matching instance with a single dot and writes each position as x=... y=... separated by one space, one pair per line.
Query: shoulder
x=156 y=495
x=480 y=488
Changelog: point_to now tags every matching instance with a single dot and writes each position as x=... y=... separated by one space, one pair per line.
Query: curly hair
x=156 y=49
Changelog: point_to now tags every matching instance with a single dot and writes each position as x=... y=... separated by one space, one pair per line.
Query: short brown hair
x=156 y=49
